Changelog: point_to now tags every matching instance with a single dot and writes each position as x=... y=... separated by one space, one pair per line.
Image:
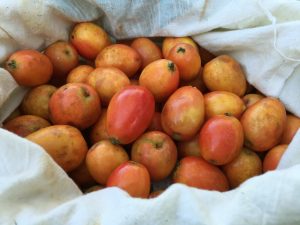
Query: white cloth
x=262 y=35
x=34 y=191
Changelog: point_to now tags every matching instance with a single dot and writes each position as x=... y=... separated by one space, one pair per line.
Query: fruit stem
x=114 y=141
x=12 y=64
x=180 y=50
x=171 y=66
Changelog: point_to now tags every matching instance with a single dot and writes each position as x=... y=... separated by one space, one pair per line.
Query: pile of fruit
x=137 y=112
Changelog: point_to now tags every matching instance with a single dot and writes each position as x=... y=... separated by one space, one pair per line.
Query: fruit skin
x=170 y=42
x=36 y=101
x=161 y=77
x=157 y=152
x=183 y=113
x=102 y=158
x=290 y=129
x=155 y=123
x=251 y=99
x=132 y=177
x=82 y=177
x=196 y=82
x=29 y=67
x=129 y=113
x=98 y=130
x=273 y=156
x=246 y=165
x=221 y=139
x=223 y=103
x=263 y=124
x=187 y=59
x=79 y=74
x=196 y=172
x=64 y=143
x=189 y=148
x=24 y=125
x=63 y=56
x=75 y=104
x=89 y=39
x=120 y=56
x=224 y=73
x=107 y=81
x=147 y=49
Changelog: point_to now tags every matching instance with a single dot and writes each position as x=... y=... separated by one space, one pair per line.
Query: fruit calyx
x=12 y=64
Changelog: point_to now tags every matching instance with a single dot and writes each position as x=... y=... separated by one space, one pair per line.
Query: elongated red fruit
x=129 y=113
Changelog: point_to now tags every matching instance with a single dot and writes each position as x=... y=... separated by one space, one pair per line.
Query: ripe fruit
x=132 y=177
x=147 y=49
x=187 y=59
x=290 y=129
x=79 y=74
x=189 y=148
x=24 y=125
x=36 y=101
x=273 y=157
x=98 y=130
x=65 y=144
x=75 y=104
x=246 y=165
x=102 y=158
x=107 y=81
x=157 y=152
x=29 y=67
x=120 y=56
x=161 y=77
x=263 y=124
x=129 y=113
x=196 y=172
x=183 y=113
x=170 y=42
x=251 y=99
x=221 y=139
x=89 y=39
x=82 y=177
x=63 y=56
x=224 y=73
x=223 y=103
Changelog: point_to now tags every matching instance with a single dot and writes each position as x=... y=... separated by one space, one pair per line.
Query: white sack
x=34 y=191
x=262 y=35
